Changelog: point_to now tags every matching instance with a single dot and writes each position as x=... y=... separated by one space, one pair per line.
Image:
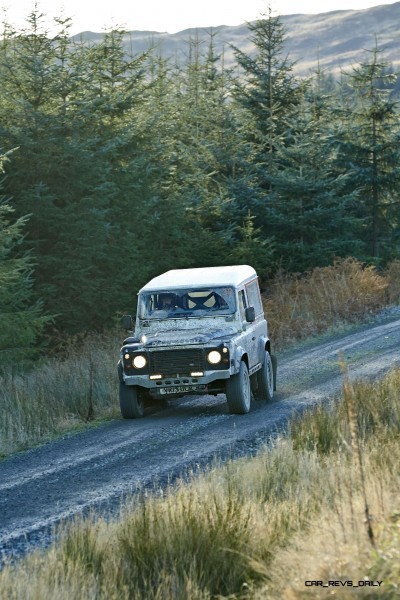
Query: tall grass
x=255 y=528
x=300 y=306
x=377 y=409
x=58 y=395
x=392 y=275
x=67 y=392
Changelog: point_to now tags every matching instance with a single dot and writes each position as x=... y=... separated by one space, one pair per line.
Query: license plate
x=181 y=389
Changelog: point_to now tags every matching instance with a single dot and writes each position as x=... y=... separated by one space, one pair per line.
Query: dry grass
x=300 y=306
x=378 y=414
x=58 y=395
x=335 y=549
x=254 y=528
x=392 y=275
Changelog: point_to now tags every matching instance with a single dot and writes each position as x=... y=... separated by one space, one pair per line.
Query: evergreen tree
x=267 y=96
x=68 y=108
x=212 y=171
x=310 y=206
x=207 y=141
x=21 y=319
x=268 y=91
x=368 y=137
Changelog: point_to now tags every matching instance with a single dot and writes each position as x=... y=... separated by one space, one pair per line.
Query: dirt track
x=96 y=469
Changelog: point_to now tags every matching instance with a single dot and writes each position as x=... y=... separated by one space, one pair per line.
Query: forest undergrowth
x=77 y=388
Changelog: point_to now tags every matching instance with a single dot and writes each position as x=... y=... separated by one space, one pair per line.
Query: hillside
x=338 y=38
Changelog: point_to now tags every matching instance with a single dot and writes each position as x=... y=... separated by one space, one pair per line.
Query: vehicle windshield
x=187 y=303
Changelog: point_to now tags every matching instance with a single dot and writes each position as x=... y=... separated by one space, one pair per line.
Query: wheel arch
x=239 y=356
x=120 y=371
x=245 y=359
x=264 y=345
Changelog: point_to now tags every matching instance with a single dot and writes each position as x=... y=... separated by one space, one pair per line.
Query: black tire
x=274 y=361
x=238 y=392
x=265 y=379
x=130 y=401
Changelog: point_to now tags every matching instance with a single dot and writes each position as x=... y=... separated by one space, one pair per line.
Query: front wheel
x=238 y=392
x=131 y=404
x=265 y=379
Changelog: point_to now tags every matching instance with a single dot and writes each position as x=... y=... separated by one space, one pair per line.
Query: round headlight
x=139 y=362
x=214 y=357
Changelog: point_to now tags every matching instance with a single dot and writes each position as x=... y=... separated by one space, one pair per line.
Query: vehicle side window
x=254 y=297
x=242 y=304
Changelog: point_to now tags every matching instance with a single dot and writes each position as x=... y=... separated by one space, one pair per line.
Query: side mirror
x=250 y=314
x=127 y=322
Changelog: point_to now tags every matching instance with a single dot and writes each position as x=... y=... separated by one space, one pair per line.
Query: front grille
x=171 y=362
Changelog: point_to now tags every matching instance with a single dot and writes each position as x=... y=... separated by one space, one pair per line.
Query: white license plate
x=181 y=389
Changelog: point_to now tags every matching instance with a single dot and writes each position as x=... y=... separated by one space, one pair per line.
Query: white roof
x=200 y=278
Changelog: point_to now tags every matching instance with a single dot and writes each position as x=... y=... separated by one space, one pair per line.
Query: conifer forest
x=117 y=167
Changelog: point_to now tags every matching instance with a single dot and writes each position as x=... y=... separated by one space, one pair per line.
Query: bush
x=300 y=306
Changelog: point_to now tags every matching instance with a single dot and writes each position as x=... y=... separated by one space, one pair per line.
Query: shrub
x=300 y=306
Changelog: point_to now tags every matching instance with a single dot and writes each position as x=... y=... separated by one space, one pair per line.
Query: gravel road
x=98 y=468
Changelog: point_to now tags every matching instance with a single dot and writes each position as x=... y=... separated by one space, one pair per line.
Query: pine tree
x=267 y=96
x=21 y=318
x=267 y=90
x=209 y=148
x=310 y=205
x=181 y=167
x=68 y=108
x=369 y=149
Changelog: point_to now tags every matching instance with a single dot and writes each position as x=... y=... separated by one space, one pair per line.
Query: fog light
x=155 y=376
x=139 y=361
x=197 y=374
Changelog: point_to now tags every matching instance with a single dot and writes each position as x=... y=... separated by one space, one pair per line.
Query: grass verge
x=253 y=528
x=59 y=395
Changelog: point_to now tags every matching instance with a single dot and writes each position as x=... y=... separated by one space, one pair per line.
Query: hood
x=181 y=337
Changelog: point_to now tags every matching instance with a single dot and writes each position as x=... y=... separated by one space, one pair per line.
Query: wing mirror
x=127 y=322
x=250 y=314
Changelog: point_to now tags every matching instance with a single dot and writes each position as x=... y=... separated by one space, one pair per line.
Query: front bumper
x=166 y=382
x=192 y=385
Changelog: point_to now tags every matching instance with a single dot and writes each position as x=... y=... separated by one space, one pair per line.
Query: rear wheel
x=265 y=379
x=130 y=401
x=238 y=392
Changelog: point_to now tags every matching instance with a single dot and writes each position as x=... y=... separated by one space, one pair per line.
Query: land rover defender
x=197 y=331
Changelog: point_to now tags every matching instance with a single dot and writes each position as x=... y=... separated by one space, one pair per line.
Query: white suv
x=198 y=331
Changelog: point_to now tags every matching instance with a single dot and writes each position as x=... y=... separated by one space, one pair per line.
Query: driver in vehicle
x=167 y=302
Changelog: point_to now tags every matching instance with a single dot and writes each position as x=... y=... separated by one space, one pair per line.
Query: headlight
x=214 y=357
x=139 y=361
